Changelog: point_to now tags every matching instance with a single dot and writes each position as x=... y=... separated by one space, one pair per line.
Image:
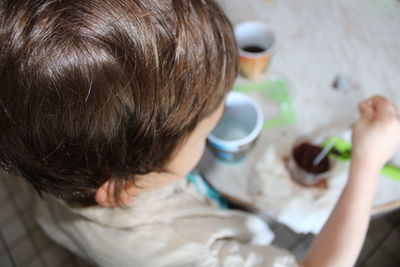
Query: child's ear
x=105 y=194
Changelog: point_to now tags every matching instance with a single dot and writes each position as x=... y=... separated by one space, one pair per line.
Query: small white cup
x=239 y=128
x=301 y=175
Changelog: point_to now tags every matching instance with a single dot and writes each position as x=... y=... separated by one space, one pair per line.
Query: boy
x=107 y=104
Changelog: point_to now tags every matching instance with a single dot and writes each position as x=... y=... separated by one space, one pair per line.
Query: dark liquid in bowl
x=304 y=155
x=253 y=49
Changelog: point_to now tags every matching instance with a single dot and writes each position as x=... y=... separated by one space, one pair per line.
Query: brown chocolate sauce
x=253 y=49
x=305 y=153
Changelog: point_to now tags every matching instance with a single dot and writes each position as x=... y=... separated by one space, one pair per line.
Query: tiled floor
x=23 y=243
x=381 y=248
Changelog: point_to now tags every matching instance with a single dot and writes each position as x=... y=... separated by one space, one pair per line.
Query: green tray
x=274 y=89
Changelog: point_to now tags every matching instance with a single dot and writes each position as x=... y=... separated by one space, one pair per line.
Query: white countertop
x=317 y=40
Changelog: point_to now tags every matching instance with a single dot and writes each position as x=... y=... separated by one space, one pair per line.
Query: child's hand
x=376 y=135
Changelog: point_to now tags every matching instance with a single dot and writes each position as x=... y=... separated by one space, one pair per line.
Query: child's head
x=94 y=90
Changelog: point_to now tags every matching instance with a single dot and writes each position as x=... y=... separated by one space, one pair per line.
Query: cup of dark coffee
x=256 y=42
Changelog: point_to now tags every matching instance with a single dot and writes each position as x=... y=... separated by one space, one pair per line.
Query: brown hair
x=94 y=89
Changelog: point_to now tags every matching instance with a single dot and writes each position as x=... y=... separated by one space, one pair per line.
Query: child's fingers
x=366 y=109
x=383 y=108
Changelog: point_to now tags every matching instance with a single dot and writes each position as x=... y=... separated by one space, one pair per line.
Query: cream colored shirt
x=173 y=226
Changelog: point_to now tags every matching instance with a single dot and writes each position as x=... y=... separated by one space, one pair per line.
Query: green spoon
x=341 y=150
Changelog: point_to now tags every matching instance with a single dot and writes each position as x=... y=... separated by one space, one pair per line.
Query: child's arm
x=376 y=136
